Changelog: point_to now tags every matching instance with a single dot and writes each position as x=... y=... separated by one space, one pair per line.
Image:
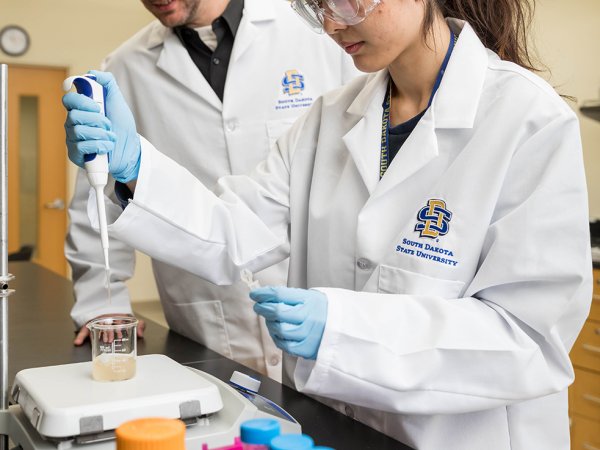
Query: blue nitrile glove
x=295 y=318
x=88 y=131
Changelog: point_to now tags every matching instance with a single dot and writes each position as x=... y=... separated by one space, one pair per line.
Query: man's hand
x=84 y=333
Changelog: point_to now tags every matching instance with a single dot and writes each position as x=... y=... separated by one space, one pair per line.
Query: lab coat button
x=363 y=263
x=232 y=125
x=274 y=360
x=349 y=412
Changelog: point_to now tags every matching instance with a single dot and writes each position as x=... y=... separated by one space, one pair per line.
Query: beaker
x=114 y=348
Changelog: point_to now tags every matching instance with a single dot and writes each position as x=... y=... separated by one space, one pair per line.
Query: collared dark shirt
x=213 y=65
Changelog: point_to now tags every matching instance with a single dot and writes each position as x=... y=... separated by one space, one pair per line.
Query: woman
x=437 y=208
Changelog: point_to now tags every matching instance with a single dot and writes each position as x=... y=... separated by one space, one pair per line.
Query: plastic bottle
x=257 y=433
x=292 y=442
x=151 y=434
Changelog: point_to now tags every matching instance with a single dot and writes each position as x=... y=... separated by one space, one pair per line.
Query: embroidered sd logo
x=293 y=82
x=434 y=219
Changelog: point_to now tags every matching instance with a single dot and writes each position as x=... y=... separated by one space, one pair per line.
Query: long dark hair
x=502 y=25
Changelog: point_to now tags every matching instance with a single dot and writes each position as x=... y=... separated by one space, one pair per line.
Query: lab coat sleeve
x=85 y=256
x=174 y=218
x=508 y=338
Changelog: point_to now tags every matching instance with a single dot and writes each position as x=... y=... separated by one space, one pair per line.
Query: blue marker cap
x=292 y=442
x=259 y=431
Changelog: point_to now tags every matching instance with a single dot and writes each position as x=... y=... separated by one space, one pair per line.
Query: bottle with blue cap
x=257 y=433
x=292 y=442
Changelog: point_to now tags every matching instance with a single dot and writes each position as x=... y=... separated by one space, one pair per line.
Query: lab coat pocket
x=393 y=280
x=203 y=322
x=276 y=128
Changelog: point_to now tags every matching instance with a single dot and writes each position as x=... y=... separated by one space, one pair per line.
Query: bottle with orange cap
x=151 y=434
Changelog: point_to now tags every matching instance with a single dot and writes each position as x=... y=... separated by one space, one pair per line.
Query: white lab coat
x=176 y=108
x=457 y=342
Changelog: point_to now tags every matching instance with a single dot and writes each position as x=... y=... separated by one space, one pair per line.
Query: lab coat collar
x=259 y=10
x=363 y=140
x=255 y=11
x=456 y=101
x=454 y=106
x=157 y=35
x=175 y=60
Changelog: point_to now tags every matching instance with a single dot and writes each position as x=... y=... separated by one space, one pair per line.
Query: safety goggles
x=345 y=12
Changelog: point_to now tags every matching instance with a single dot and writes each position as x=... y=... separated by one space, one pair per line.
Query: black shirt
x=400 y=133
x=213 y=65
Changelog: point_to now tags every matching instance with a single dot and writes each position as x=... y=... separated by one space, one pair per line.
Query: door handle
x=57 y=203
x=592 y=398
x=591 y=348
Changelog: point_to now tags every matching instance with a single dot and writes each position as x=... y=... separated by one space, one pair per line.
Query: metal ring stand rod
x=5 y=277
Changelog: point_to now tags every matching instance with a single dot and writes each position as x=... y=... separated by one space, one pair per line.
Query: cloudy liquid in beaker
x=113 y=367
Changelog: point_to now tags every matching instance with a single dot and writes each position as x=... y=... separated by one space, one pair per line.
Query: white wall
x=77 y=34
x=568 y=39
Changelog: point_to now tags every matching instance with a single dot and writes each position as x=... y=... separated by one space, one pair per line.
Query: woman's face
x=392 y=29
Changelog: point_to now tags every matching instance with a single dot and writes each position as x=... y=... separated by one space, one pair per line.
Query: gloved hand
x=295 y=318
x=88 y=131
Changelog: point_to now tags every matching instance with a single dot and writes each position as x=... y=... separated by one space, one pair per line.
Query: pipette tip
x=107 y=270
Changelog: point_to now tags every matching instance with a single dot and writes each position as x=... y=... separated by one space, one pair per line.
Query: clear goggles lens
x=345 y=12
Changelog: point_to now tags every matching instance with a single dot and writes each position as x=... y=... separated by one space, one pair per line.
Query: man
x=217 y=74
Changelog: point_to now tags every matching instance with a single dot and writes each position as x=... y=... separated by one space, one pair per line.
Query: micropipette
x=96 y=166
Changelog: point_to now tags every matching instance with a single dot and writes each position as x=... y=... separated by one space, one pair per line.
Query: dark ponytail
x=502 y=25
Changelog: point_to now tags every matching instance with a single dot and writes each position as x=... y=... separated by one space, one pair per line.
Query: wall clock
x=14 y=40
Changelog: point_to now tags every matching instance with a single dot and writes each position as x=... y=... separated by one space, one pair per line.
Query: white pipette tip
x=106 y=262
x=107 y=271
